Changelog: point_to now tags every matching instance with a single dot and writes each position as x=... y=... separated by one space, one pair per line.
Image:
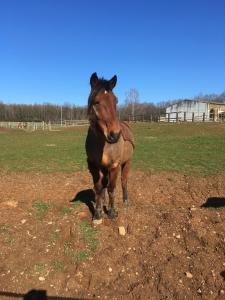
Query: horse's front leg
x=113 y=174
x=100 y=183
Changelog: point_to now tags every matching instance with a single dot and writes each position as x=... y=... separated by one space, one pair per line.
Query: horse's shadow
x=223 y=275
x=214 y=202
x=87 y=197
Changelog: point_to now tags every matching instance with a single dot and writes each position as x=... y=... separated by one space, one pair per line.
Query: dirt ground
x=174 y=246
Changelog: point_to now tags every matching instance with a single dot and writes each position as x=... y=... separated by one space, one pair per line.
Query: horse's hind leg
x=113 y=174
x=100 y=183
x=124 y=175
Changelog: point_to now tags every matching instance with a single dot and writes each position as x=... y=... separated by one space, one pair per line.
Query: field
x=174 y=246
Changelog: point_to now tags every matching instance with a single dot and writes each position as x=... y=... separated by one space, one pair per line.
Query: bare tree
x=131 y=100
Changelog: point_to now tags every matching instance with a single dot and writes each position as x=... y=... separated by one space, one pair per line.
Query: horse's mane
x=102 y=83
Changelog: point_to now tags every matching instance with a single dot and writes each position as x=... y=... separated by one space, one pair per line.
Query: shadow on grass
x=37 y=295
x=214 y=202
x=87 y=197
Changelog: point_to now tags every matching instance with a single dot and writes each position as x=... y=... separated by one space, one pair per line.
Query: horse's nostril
x=113 y=137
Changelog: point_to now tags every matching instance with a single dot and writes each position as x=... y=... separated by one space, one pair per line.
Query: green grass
x=31 y=151
x=9 y=237
x=54 y=237
x=40 y=209
x=195 y=149
x=68 y=249
x=89 y=234
x=67 y=210
x=58 y=265
x=39 y=268
x=4 y=228
x=82 y=255
x=188 y=148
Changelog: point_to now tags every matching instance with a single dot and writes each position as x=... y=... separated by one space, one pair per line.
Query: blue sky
x=164 y=49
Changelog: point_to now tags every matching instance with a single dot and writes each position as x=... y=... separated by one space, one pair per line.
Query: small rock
x=193 y=208
x=97 y=222
x=122 y=230
x=221 y=292
x=23 y=221
x=83 y=214
x=79 y=274
x=11 y=203
x=110 y=269
x=41 y=278
x=50 y=223
x=189 y=275
x=199 y=291
x=178 y=236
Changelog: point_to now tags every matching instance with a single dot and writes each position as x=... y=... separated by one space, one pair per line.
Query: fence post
x=168 y=117
x=193 y=117
x=176 y=117
x=185 y=117
x=203 y=117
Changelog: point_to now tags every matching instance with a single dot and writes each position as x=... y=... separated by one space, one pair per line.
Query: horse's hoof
x=112 y=214
x=97 y=221
x=125 y=201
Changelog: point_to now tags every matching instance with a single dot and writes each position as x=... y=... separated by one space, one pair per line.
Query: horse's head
x=102 y=107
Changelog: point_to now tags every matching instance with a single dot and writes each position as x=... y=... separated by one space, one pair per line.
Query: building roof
x=198 y=101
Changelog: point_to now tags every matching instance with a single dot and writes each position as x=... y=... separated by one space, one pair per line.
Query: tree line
x=132 y=109
x=41 y=112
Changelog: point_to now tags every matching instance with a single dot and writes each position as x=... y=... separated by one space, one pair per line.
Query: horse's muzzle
x=113 y=137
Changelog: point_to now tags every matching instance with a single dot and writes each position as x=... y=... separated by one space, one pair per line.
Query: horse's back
x=126 y=132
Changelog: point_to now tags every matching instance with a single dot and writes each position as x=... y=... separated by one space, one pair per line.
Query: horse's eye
x=96 y=103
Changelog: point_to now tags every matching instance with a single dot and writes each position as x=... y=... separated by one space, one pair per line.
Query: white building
x=190 y=110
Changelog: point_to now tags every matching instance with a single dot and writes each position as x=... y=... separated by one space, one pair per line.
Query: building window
x=212 y=114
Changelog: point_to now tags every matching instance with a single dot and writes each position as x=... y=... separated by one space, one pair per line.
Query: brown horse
x=109 y=145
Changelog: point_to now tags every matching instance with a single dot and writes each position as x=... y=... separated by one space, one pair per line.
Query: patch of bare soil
x=3 y=129
x=173 y=248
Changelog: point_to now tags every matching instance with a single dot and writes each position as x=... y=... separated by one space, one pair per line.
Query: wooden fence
x=190 y=117
x=32 y=126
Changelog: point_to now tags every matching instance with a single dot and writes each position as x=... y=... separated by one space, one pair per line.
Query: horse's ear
x=112 y=82
x=93 y=79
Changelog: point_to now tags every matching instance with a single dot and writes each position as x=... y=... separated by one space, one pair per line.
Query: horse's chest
x=111 y=156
